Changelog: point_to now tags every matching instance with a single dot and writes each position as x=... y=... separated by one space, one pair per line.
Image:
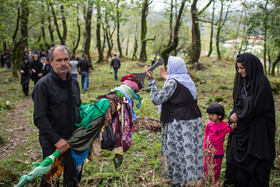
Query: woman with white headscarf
x=181 y=136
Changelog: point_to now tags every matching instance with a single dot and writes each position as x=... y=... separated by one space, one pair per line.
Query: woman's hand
x=21 y=71
x=149 y=74
x=233 y=118
x=163 y=73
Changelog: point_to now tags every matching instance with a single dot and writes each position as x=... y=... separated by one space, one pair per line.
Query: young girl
x=213 y=143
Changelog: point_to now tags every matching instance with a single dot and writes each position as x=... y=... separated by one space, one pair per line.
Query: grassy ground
x=141 y=165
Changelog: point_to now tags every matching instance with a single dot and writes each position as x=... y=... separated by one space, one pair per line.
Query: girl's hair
x=216 y=109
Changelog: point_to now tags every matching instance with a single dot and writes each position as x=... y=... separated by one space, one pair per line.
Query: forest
x=207 y=34
x=141 y=30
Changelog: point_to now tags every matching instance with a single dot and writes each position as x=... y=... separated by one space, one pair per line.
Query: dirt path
x=19 y=128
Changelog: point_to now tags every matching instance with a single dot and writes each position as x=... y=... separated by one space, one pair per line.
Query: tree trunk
x=219 y=27
x=173 y=45
x=79 y=32
x=218 y=44
x=109 y=36
x=44 y=34
x=212 y=31
x=127 y=46
x=170 y=23
x=145 y=9
x=196 y=42
x=134 y=57
x=265 y=38
x=98 y=33
x=20 y=46
x=50 y=27
x=118 y=29
x=221 y=23
x=4 y=45
x=64 y=25
x=17 y=26
x=277 y=60
x=88 y=29
x=62 y=42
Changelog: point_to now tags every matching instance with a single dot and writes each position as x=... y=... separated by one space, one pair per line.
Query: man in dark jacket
x=116 y=64
x=56 y=100
x=84 y=70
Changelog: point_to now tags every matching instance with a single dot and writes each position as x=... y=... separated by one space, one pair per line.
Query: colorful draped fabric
x=113 y=108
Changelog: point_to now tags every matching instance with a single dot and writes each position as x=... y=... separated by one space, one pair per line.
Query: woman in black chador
x=24 y=69
x=251 y=148
x=36 y=67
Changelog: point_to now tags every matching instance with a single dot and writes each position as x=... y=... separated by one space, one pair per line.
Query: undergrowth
x=141 y=165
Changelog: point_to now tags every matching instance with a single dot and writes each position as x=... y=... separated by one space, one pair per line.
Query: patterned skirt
x=182 y=157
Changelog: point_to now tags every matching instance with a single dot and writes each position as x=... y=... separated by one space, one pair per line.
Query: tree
x=108 y=34
x=265 y=35
x=87 y=35
x=220 y=24
x=144 y=14
x=212 y=30
x=21 y=44
x=196 y=43
x=118 y=28
x=62 y=37
x=134 y=56
x=173 y=39
x=79 y=33
x=50 y=26
x=98 y=32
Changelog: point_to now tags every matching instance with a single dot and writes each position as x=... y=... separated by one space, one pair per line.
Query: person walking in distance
x=116 y=64
x=84 y=70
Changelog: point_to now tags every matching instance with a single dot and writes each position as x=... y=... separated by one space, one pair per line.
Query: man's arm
x=40 y=98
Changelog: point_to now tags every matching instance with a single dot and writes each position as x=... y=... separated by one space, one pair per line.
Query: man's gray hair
x=57 y=47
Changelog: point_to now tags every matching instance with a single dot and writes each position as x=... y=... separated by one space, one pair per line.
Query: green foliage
x=141 y=164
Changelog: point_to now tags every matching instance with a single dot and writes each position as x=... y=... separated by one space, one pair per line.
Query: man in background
x=116 y=64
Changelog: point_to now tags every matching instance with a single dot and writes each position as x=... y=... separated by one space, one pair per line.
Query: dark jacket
x=56 y=103
x=116 y=62
x=84 y=65
x=25 y=77
x=37 y=66
x=46 y=69
x=180 y=106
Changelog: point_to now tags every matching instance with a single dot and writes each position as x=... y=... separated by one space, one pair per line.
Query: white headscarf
x=177 y=70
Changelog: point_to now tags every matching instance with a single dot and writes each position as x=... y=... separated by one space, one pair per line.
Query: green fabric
x=41 y=169
x=120 y=94
x=92 y=111
x=48 y=161
x=82 y=138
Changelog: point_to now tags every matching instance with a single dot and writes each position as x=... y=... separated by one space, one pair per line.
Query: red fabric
x=134 y=79
x=208 y=163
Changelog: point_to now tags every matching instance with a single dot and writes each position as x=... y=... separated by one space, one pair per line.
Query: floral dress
x=182 y=157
